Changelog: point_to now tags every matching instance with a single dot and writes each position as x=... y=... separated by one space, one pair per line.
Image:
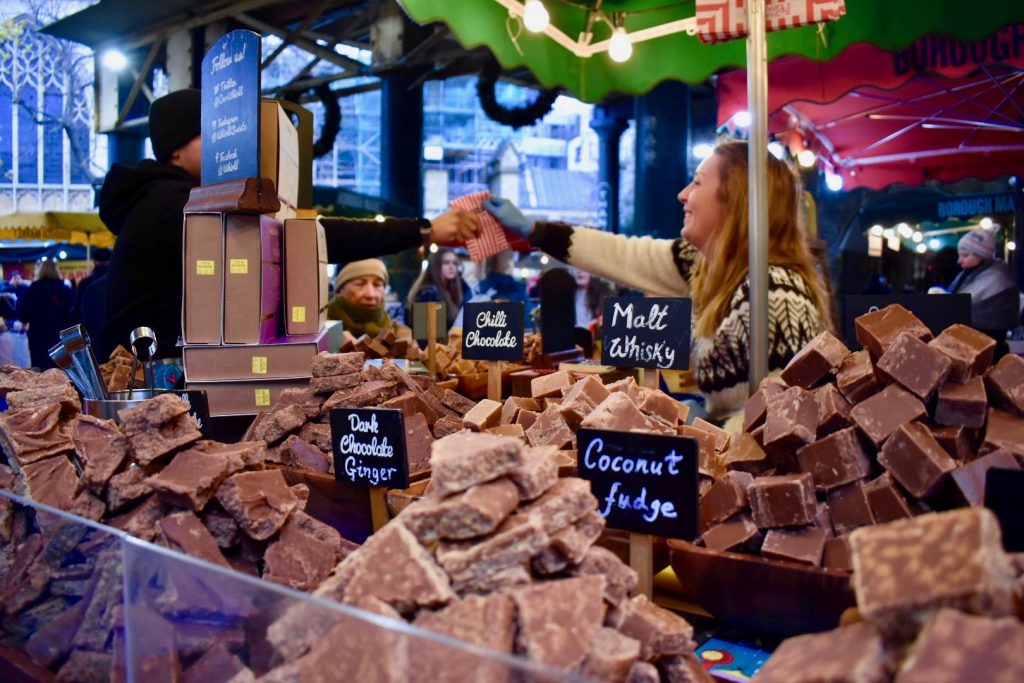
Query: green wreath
x=517 y=117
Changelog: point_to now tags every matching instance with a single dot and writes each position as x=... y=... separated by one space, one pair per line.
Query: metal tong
x=143 y=344
x=74 y=343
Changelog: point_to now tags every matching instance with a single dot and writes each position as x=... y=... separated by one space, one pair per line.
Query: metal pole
x=757 y=97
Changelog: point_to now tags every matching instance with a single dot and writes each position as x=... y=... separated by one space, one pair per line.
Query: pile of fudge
x=116 y=373
x=938 y=600
x=385 y=344
x=499 y=553
x=907 y=425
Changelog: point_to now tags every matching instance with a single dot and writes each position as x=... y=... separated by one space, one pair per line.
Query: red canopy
x=941 y=109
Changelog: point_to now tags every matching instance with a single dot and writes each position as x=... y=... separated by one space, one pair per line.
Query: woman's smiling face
x=703 y=209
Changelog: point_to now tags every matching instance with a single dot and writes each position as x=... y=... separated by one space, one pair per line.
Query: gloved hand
x=509 y=215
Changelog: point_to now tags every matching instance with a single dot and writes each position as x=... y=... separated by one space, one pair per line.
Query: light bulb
x=433 y=248
x=620 y=47
x=702 y=150
x=921 y=248
x=889 y=233
x=1011 y=246
x=904 y=230
x=379 y=218
x=535 y=16
x=934 y=244
x=917 y=236
x=986 y=223
x=833 y=181
x=806 y=158
x=742 y=119
x=63 y=254
x=876 y=230
x=544 y=260
x=777 y=150
x=114 y=60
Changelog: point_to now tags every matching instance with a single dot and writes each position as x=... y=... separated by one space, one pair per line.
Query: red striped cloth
x=492 y=236
x=721 y=20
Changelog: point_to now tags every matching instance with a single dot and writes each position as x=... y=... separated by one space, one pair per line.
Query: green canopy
x=889 y=24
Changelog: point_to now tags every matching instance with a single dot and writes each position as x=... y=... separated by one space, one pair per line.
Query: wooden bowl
x=762 y=595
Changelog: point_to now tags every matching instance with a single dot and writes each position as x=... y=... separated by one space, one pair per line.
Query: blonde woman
x=708 y=262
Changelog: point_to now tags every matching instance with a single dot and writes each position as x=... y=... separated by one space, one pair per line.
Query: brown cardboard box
x=244 y=398
x=252 y=278
x=285 y=358
x=279 y=153
x=305 y=276
x=202 y=279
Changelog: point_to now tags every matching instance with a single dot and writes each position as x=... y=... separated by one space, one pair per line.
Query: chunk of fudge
x=297 y=453
x=643 y=672
x=746 y=455
x=962 y=405
x=184 y=532
x=611 y=656
x=821 y=356
x=191 y=479
x=457 y=402
x=903 y=572
x=141 y=520
x=657 y=403
x=1006 y=382
x=617 y=413
x=969 y=350
x=849 y=509
x=217 y=664
x=333 y=383
x=792 y=419
x=850 y=654
x=569 y=545
x=417 y=443
x=796 y=545
x=855 y=378
x=756 y=407
x=725 y=498
x=783 y=500
x=483 y=415
x=488 y=621
x=552 y=384
x=32 y=435
x=124 y=487
x=446 y=426
x=878 y=416
x=620 y=578
x=309 y=401
x=476 y=512
x=252 y=453
x=259 y=501
x=734 y=533
x=281 y=422
x=878 y=329
x=661 y=633
x=920 y=368
x=549 y=429
x=837 y=554
x=465 y=459
x=537 y=472
x=581 y=398
x=361 y=395
x=303 y=554
x=564 y=503
x=158 y=427
x=326 y=364
x=915 y=459
x=886 y=502
x=558 y=620
x=833 y=410
x=515 y=541
x=968 y=481
x=835 y=460
x=957 y=441
x=100 y=447
x=54 y=482
x=1005 y=431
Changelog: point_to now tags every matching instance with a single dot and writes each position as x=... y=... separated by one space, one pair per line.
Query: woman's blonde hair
x=725 y=269
x=48 y=270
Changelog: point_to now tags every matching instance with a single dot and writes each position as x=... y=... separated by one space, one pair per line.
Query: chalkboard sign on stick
x=198 y=408
x=646 y=333
x=493 y=331
x=230 y=125
x=420 y=318
x=369 y=447
x=557 y=310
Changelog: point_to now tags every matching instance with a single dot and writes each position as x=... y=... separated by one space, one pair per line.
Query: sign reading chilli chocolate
x=644 y=483
x=369 y=447
x=646 y=333
x=231 y=108
x=493 y=331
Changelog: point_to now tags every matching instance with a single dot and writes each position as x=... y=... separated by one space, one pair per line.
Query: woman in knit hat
x=359 y=298
x=995 y=299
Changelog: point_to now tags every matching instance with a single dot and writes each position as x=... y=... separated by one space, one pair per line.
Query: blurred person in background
x=359 y=298
x=499 y=283
x=46 y=310
x=590 y=292
x=441 y=281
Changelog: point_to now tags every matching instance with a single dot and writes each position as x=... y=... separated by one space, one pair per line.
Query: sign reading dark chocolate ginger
x=231 y=108
x=198 y=408
x=644 y=483
x=493 y=331
x=646 y=333
x=369 y=447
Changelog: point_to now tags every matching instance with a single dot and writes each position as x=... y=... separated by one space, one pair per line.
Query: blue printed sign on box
x=369 y=447
x=644 y=483
x=493 y=331
x=646 y=333
x=231 y=108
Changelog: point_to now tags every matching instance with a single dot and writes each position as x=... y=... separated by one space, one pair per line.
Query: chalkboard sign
x=1003 y=496
x=936 y=311
x=369 y=447
x=558 y=310
x=645 y=483
x=646 y=333
x=198 y=408
x=231 y=108
x=419 y=321
x=493 y=331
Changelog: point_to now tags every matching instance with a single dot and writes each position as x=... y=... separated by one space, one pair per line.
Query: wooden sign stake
x=432 y=339
x=494 y=380
x=378 y=507
x=650 y=378
x=641 y=559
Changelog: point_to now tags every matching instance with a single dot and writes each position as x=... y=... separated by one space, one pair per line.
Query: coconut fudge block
x=620 y=578
x=959 y=647
x=508 y=430
x=962 y=405
x=466 y=459
x=1006 y=382
x=878 y=329
x=732 y=533
x=855 y=378
x=886 y=502
x=611 y=656
x=124 y=487
x=33 y=435
x=835 y=460
x=184 y=532
x=326 y=364
x=656 y=402
x=796 y=545
x=785 y=500
x=1005 y=431
x=259 y=501
x=833 y=410
x=151 y=444
x=617 y=413
x=756 y=407
x=569 y=546
x=581 y=398
x=746 y=455
x=836 y=554
x=333 y=383
x=476 y=512
x=549 y=429
x=303 y=554
x=915 y=459
x=488 y=621
x=552 y=384
x=880 y=415
x=849 y=509
x=564 y=503
x=100 y=447
x=968 y=481
x=969 y=350
x=192 y=478
x=485 y=414
x=851 y=654
x=821 y=356
x=903 y=572
x=725 y=498
x=515 y=542
x=537 y=473
x=792 y=419
x=661 y=633
x=918 y=367
x=446 y=426
x=559 y=620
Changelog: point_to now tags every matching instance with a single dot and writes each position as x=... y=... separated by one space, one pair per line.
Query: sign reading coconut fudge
x=644 y=483
x=369 y=447
x=936 y=311
x=231 y=108
x=493 y=331
x=646 y=333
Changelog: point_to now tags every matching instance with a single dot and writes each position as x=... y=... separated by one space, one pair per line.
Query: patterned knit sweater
x=721 y=364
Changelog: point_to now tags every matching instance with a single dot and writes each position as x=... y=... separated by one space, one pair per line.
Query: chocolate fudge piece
x=184 y=532
x=733 y=533
x=886 y=502
x=620 y=578
x=409 y=403
x=783 y=500
x=333 y=383
x=880 y=415
x=835 y=460
x=616 y=413
x=361 y=395
x=915 y=459
x=515 y=541
x=297 y=453
x=969 y=350
x=756 y=407
x=259 y=501
x=42 y=396
x=1005 y=431
x=281 y=422
x=345 y=653
x=327 y=364
x=13 y=378
x=457 y=402
x=537 y=472
x=661 y=633
x=920 y=368
x=878 y=329
x=156 y=411
x=855 y=378
x=549 y=429
x=141 y=520
x=465 y=459
x=549 y=385
x=569 y=545
x=792 y=419
x=54 y=482
x=559 y=620
x=959 y=647
x=127 y=486
x=611 y=656
x=154 y=443
x=100 y=447
x=317 y=434
x=962 y=405
x=581 y=398
x=969 y=480
x=446 y=426
x=903 y=572
x=476 y=512
x=86 y=667
x=483 y=415
x=564 y=503
x=796 y=545
x=417 y=443
x=192 y=478
x=303 y=554
x=724 y=499
x=1006 y=382
x=222 y=526
x=837 y=554
x=821 y=356
x=305 y=398
x=252 y=453
x=849 y=508
x=746 y=455
x=217 y=664
x=488 y=621
x=957 y=441
x=850 y=654
x=32 y=435
x=833 y=409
